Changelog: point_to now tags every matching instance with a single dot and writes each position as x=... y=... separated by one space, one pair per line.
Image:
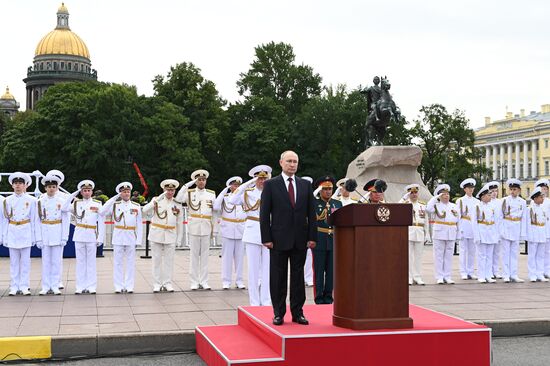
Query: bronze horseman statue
x=381 y=110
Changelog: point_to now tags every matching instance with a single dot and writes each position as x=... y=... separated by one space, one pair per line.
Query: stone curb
x=516 y=328
x=121 y=344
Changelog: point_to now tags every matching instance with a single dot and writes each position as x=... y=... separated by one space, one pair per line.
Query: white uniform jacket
x=249 y=198
x=467 y=208
x=128 y=224
x=90 y=225
x=445 y=219
x=546 y=208
x=536 y=224
x=167 y=221
x=232 y=218
x=419 y=230
x=347 y=200
x=200 y=203
x=54 y=222
x=488 y=221
x=20 y=221
x=514 y=218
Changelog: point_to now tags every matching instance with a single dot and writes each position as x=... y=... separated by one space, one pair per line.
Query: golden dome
x=62 y=42
x=7 y=95
x=63 y=9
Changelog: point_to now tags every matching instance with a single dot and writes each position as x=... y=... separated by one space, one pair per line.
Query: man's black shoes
x=278 y=320
x=300 y=320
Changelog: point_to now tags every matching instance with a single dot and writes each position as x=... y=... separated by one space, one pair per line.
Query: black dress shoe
x=278 y=320
x=300 y=320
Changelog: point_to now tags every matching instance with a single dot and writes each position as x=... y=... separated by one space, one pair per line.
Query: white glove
x=316 y=192
x=99 y=244
x=190 y=183
x=38 y=244
x=251 y=182
x=63 y=242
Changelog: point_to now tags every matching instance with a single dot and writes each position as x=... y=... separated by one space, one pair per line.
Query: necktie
x=291 y=192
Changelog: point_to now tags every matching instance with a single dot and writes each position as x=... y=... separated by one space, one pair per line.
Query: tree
x=95 y=130
x=398 y=134
x=330 y=132
x=260 y=132
x=274 y=74
x=448 y=147
x=202 y=105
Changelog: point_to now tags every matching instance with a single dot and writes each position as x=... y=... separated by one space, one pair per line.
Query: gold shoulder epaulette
x=211 y=191
x=354 y=199
x=250 y=189
x=135 y=203
x=77 y=199
x=191 y=190
x=225 y=195
x=98 y=201
x=421 y=202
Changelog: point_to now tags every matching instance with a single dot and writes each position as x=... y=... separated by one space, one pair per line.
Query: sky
x=483 y=57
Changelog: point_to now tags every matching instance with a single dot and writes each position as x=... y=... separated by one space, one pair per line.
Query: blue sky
x=478 y=56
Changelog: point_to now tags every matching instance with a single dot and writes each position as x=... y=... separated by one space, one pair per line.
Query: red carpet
x=436 y=339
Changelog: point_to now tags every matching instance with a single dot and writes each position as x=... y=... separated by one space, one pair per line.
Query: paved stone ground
x=145 y=312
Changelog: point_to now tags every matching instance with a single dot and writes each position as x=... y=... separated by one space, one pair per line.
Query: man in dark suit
x=288 y=226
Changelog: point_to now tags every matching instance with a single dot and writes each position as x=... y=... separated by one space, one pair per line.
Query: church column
x=494 y=167
x=534 y=171
x=518 y=161
x=525 y=161
x=487 y=157
x=509 y=168
x=501 y=172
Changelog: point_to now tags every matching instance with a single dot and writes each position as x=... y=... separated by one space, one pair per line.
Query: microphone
x=351 y=186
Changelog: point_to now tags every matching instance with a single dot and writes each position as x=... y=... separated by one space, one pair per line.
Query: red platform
x=436 y=339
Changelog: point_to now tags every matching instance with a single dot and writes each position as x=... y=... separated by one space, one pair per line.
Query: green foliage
x=274 y=74
x=95 y=130
x=448 y=147
x=201 y=104
x=330 y=132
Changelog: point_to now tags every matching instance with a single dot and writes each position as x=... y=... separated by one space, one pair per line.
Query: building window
x=529 y=170
x=546 y=143
x=48 y=66
x=546 y=167
x=62 y=65
x=41 y=66
x=69 y=66
x=55 y=65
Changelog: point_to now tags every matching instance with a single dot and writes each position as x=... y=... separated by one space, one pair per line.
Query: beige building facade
x=517 y=146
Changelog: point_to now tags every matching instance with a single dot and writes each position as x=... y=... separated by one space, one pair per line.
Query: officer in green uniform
x=375 y=189
x=323 y=258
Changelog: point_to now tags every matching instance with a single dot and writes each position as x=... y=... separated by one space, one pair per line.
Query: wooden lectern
x=371 y=266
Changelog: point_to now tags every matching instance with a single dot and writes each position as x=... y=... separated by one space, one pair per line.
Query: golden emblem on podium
x=383 y=214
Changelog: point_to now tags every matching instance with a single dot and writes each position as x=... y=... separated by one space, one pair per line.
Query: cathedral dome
x=62 y=41
x=7 y=95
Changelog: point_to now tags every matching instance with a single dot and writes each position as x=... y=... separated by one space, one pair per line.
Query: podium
x=371 y=266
